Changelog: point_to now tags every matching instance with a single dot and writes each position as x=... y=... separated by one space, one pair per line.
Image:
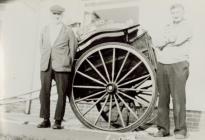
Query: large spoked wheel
x=114 y=88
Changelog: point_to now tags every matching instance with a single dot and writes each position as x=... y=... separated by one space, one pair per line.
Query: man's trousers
x=171 y=80
x=63 y=89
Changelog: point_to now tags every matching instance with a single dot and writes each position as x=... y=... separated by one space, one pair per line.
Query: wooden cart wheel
x=113 y=88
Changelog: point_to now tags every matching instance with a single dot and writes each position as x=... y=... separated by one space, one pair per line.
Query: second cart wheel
x=114 y=88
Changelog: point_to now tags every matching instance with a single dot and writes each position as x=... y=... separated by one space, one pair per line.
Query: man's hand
x=177 y=44
x=165 y=45
x=171 y=39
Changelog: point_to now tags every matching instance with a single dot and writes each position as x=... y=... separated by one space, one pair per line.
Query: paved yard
x=18 y=124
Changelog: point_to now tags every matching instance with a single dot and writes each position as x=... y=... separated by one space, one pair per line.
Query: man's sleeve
x=184 y=36
x=72 y=44
x=162 y=39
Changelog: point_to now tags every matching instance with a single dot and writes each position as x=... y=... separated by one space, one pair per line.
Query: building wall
x=19 y=40
x=2 y=9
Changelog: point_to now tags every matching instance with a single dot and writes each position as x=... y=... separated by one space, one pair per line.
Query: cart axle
x=111 y=88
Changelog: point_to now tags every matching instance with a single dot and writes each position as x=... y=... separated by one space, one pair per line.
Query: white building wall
x=19 y=40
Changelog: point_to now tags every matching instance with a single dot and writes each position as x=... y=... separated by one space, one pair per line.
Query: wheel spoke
x=122 y=66
x=110 y=112
x=130 y=71
x=97 y=71
x=132 y=98
x=133 y=113
x=140 y=83
x=91 y=78
x=145 y=100
x=105 y=68
x=144 y=90
x=87 y=97
x=148 y=94
x=146 y=87
x=137 y=90
x=113 y=64
x=89 y=87
x=134 y=80
x=101 y=109
x=138 y=100
x=99 y=99
x=119 y=112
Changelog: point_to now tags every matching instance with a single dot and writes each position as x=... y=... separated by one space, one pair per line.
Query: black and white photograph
x=102 y=69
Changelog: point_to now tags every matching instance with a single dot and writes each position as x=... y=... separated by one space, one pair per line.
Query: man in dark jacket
x=58 y=45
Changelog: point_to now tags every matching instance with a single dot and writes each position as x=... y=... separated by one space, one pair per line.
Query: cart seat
x=129 y=33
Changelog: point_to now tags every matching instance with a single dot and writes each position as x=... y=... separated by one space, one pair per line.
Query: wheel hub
x=111 y=88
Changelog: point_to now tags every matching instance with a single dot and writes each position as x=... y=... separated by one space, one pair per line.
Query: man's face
x=57 y=17
x=177 y=14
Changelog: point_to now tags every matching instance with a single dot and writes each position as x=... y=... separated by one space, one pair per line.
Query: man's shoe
x=161 y=133
x=179 y=136
x=57 y=125
x=44 y=124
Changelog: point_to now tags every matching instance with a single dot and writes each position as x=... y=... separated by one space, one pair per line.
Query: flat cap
x=57 y=9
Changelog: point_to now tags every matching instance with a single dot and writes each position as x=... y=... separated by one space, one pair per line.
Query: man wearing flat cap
x=58 y=45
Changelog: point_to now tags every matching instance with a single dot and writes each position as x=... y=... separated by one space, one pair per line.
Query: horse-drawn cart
x=114 y=82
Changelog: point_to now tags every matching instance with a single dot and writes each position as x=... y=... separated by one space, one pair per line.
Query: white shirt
x=54 y=30
x=171 y=53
